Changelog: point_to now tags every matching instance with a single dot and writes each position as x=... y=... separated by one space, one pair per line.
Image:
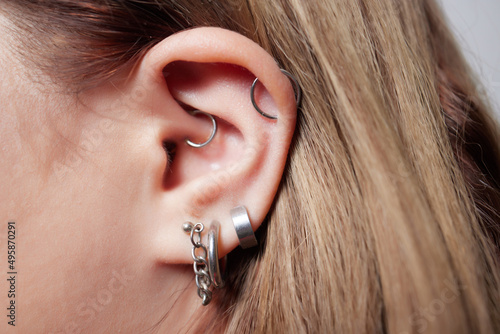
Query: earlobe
x=212 y=70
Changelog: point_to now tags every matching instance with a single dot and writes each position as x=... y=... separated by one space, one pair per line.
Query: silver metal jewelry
x=243 y=227
x=298 y=93
x=214 y=124
x=200 y=265
x=213 y=255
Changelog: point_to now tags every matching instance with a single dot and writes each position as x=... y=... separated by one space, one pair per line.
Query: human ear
x=212 y=70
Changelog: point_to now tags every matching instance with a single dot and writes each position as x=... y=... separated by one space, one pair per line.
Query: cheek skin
x=80 y=183
x=80 y=233
x=78 y=189
x=83 y=232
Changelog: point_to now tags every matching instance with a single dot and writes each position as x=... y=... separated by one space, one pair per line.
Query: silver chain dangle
x=200 y=264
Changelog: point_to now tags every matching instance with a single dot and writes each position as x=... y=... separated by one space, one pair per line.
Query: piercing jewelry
x=298 y=93
x=200 y=264
x=243 y=227
x=214 y=124
x=206 y=269
x=213 y=255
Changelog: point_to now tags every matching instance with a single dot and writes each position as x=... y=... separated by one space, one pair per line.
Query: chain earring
x=200 y=264
x=206 y=260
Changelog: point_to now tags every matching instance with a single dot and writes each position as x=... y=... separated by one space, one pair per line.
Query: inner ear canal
x=170 y=148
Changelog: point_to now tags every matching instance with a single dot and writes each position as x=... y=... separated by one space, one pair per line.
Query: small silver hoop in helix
x=298 y=94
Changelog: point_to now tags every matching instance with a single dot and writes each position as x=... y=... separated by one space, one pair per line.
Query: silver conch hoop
x=298 y=93
x=243 y=227
x=213 y=255
x=214 y=124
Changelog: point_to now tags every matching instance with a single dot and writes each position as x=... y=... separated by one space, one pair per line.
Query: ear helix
x=298 y=97
x=298 y=94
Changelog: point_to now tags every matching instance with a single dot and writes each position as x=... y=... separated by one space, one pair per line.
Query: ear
x=212 y=70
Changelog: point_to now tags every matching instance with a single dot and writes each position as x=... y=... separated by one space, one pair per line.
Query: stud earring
x=243 y=227
x=214 y=124
x=298 y=94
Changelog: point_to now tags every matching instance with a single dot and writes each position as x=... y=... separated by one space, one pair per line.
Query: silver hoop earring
x=213 y=255
x=243 y=227
x=206 y=264
x=214 y=124
x=298 y=94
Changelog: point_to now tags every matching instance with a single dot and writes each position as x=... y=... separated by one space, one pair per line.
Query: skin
x=97 y=205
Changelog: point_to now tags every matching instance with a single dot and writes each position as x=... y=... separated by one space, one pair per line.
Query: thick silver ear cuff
x=214 y=124
x=298 y=93
x=206 y=260
x=243 y=227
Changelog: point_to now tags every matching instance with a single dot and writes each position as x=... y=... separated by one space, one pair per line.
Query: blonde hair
x=386 y=217
x=374 y=224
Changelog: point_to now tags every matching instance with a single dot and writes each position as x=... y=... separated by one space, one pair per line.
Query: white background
x=476 y=24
